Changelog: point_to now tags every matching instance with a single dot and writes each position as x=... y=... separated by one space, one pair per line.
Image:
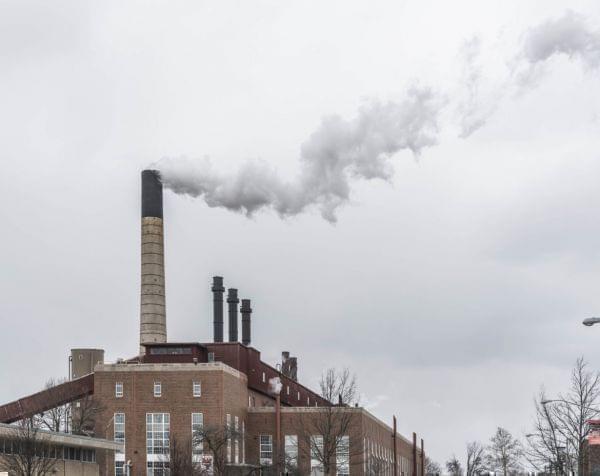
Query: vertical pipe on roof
x=218 y=290
x=246 y=323
x=414 y=455
x=233 y=301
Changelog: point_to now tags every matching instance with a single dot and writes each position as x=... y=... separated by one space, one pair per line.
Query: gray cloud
x=338 y=152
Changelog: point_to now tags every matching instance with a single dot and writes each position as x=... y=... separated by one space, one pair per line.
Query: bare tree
x=432 y=468
x=181 y=459
x=475 y=458
x=573 y=409
x=55 y=419
x=83 y=415
x=504 y=453
x=214 y=441
x=453 y=467
x=330 y=429
x=30 y=451
x=543 y=444
x=560 y=425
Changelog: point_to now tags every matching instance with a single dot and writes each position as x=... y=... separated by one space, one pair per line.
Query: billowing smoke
x=341 y=151
x=569 y=35
x=338 y=152
x=481 y=96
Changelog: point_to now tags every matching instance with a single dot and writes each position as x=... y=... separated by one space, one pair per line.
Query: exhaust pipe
x=218 y=290
x=153 y=318
x=233 y=301
x=246 y=315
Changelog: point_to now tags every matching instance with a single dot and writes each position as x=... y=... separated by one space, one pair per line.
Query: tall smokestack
x=246 y=328
x=153 y=319
x=218 y=290
x=233 y=301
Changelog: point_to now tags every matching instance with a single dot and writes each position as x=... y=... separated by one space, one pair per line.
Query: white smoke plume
x=480 y=96
x=337 y=152
x=341 y=151
x=569 y=35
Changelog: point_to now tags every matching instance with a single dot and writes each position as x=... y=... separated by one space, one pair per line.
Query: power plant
x=171 y=392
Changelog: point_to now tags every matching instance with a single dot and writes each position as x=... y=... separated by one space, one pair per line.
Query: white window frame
x=158 y=426
x=118 y=390
x=316 y=467
x=197 y=447
x=265 y=449
x=243 y=442
x=342 y=456
x=236 y=449
x=290 y=449
x=119 y=429
x=157 y=389
x=264 y=376
x=196 y=389
x=228 y=425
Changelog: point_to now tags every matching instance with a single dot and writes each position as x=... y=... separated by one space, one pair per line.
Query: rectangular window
x=291 y=453
x=157 y=389
x=288 y=389
x=157 y=468
x=211 y=356
x=119 y=436
x=316 y=455
x=342 y=456
x=118 y=389
x=264 y=377
x=236 y=453
x=197 y=425
x=298 y=395
x=228 y=438
x=158 y=426
x=243 y=443
x=266 y=449
x=196 y=389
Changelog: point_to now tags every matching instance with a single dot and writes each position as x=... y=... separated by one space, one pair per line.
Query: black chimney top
x=233 y=301
x=218 y=290
x=246 y=327
x=152 y=203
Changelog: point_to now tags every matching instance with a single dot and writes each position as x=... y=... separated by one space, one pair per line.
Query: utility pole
x=395 y=448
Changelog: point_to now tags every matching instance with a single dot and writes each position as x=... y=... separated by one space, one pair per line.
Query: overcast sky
x=453 y=289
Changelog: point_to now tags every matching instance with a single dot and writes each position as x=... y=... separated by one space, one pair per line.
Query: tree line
x=555 y=444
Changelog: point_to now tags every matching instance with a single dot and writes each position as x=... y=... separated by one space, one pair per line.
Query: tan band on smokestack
x=153 y=317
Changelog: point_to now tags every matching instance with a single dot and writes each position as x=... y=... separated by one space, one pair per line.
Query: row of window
x=316 y=453
x=287 y=392
x=379 y=459
x=54 y=451
x=158 y=427
x=157 y=389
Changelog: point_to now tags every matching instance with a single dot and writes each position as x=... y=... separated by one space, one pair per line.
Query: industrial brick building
x=173 y=391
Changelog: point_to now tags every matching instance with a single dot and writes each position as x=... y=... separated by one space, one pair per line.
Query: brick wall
x=223 y=391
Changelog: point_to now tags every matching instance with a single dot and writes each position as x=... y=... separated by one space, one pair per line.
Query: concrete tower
x=153 y=317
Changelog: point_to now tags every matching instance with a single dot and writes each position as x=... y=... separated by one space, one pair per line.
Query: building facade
x=161 y=400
